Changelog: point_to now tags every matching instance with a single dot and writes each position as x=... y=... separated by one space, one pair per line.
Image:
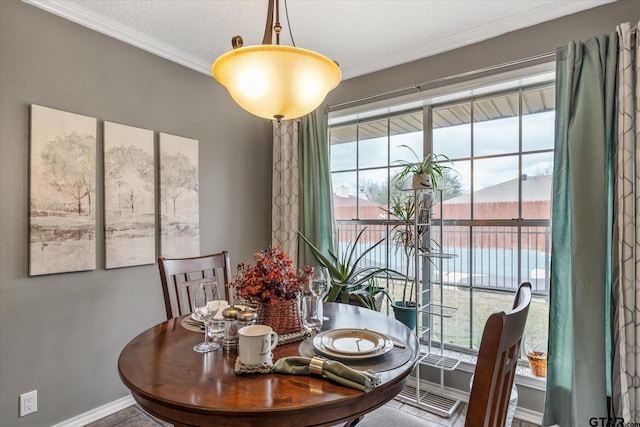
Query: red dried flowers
x=272 y=279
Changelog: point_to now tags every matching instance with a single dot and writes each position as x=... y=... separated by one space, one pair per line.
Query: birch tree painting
x=129 y=205
x=179 y=201
x=62 y=192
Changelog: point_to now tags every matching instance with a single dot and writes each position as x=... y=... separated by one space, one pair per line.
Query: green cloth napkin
x=336 y=371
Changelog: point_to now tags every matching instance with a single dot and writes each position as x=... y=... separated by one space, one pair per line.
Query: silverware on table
x=395 y=343
x=195 y=323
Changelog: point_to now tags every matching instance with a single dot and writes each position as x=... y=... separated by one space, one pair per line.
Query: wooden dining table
x=174 y=383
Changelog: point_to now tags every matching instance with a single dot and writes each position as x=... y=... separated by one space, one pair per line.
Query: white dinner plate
x=352 y=341
x=352 y=344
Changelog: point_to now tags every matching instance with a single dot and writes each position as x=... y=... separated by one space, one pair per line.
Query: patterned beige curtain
x=626 y=257
x=284 y=208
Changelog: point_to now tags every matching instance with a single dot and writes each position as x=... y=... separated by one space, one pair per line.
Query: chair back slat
x=497 y=361
x=177 y=274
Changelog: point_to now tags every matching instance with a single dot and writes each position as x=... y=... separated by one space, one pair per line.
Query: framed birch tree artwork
x=129 y=204
x=179 y=201
x=62 y=221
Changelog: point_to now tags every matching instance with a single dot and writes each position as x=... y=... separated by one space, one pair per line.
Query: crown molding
x=542 y=13
x=486 y=31
x=121 y=32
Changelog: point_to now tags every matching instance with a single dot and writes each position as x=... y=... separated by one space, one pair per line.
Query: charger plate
x=391 y=360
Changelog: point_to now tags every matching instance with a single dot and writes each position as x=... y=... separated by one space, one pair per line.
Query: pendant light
x=273 y=81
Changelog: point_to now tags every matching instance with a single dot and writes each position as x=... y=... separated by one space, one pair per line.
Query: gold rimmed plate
x=352 y=343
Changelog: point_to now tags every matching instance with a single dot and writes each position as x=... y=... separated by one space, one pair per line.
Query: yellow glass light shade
x=276 y=82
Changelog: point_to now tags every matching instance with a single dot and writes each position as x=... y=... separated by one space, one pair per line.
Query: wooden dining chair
x=176 y=274
x=497 y=361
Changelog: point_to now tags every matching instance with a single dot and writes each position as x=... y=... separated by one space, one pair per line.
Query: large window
x=496 y=207
x=364 y=159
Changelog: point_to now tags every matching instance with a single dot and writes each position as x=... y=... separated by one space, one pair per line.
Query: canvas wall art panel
x=62 y=219
x=129 y=204
x=179 y=201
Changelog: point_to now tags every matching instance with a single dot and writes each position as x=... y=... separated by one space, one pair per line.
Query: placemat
x=292 y=337
x=264 y=368
x=195 y=326
x=391 y=360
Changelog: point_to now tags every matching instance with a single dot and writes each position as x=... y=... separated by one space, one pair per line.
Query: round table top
x=173 y=382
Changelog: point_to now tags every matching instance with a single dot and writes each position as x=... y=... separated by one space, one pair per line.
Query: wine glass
x=203 y=294
x=319 y=284
x=312 y=313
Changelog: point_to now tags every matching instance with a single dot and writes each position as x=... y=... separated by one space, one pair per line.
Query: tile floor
x=133 y=416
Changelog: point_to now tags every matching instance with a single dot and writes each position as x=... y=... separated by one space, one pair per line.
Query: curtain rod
x=420 y=86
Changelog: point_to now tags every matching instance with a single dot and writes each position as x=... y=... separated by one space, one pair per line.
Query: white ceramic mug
x=256 y=343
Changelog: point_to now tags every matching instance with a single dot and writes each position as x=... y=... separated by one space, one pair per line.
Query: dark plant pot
x=406 y=315
x=378 y=297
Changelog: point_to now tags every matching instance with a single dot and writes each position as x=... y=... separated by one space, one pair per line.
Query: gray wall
x=62 y=334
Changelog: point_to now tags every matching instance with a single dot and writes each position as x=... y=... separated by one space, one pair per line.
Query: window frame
x=519 y=223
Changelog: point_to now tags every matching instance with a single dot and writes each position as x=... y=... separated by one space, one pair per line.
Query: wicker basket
x=538 y=363
x=283 y=317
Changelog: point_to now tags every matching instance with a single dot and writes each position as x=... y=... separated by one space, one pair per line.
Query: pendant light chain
x=286 y=12
x=277 y=27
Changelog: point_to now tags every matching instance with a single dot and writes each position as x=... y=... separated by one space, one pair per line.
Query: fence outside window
x=490 y=269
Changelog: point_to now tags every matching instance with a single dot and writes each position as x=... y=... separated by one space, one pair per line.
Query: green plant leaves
x=346 y=275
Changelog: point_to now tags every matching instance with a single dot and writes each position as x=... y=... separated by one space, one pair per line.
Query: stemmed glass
x=320 y=281
x=203 y=294
x=319 y=284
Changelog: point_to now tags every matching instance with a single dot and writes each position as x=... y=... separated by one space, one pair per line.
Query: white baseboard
x=528 y=415
x=524 y=414
x=98 y=413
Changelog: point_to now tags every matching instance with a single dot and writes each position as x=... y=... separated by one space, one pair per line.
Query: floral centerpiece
x=272 y=279
x=273 y=284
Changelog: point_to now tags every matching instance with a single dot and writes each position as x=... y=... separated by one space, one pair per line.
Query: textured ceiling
x=362 y=35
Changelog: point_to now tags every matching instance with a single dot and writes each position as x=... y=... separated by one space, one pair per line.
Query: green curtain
x=315 y=195
x=581 y=221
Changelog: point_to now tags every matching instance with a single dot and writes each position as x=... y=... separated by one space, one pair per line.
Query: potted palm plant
x=425 y=173
x=349 y=281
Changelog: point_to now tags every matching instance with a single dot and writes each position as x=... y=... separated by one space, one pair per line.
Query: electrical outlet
x=28 y=403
